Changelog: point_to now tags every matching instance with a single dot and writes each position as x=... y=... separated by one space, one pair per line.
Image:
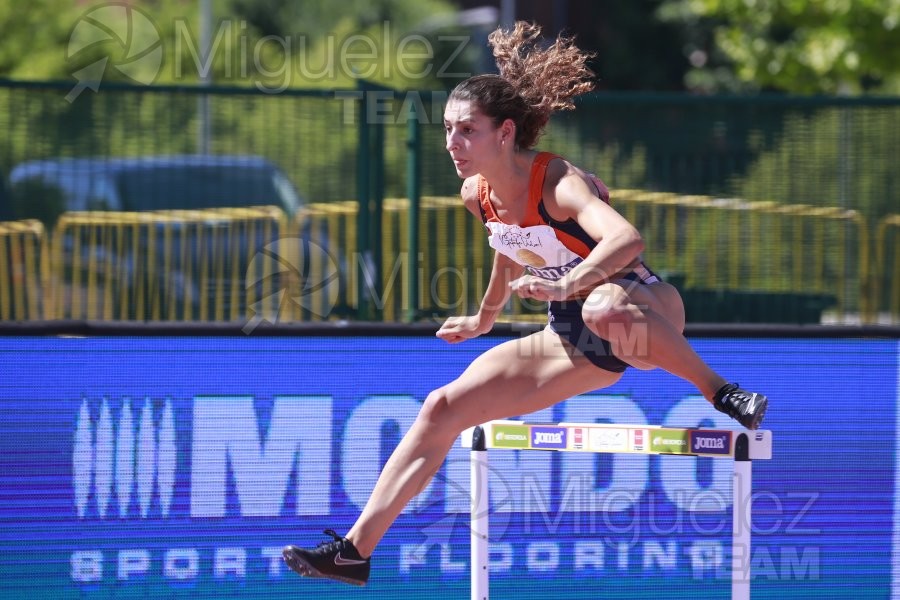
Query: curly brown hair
x=533 y=83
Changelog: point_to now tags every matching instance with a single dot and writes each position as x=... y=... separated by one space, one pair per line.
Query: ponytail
x=534 y=82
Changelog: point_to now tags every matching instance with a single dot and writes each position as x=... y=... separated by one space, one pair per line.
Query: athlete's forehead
x=462 y=111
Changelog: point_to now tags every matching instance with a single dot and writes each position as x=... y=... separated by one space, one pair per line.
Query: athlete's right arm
x=504 y=270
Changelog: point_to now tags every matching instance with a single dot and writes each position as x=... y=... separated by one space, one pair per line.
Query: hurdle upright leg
x=742 y=496
x=479 y=509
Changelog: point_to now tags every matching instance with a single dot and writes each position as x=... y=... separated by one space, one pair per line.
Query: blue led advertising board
x=170 y=467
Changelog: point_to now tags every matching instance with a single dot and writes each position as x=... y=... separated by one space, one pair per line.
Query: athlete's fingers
x=446 y=336
x=445 y=330
x=450 y=337
x=453 y=330
x=450 y=323
x=520 y=286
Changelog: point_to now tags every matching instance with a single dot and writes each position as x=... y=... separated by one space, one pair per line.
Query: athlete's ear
x=508 y=130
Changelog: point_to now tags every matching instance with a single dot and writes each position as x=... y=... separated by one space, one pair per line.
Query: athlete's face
x=472 y=138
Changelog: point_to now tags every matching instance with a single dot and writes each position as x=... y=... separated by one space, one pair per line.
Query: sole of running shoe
x=759 y=415
x=302 y=567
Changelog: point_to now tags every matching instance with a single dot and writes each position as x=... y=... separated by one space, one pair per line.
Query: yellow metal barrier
x=23 y=263
x=710 y=243
x=762 y=246
x=234 y=264
x=165 y=265
x=453 y=263
x=886 y=282
x=330 y=285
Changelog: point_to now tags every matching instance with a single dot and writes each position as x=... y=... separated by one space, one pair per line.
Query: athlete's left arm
x=618 y=242
x=568 y=193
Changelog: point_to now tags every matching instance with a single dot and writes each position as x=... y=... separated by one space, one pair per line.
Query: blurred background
x=752 y=142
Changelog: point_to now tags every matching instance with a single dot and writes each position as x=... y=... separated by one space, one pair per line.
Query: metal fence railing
x=886 y=274
x=762 y=260
x=23 y=268
x=773 y=263
x=166 y=265
x=732 y=260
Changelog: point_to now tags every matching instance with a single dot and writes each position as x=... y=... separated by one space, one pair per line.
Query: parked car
x=135 y=278
x=153 y=183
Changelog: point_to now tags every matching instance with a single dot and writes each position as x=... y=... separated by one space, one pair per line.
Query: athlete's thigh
x=521 y=376
x=661 y=297
x=638 y=298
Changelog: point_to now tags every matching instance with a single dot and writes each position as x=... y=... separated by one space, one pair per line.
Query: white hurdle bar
x=742 y=446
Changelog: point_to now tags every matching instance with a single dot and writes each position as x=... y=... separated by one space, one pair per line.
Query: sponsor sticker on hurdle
x=669 y=441
x=510 y=436
x=710 y=442
x=639 y=440
x=548 y=437
x=576 y=438
x=608 y=439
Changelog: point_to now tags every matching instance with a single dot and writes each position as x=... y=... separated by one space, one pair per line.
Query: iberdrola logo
x=117 y=36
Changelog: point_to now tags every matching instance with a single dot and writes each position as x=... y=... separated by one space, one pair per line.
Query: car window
x=78 y=188
x=202 y=186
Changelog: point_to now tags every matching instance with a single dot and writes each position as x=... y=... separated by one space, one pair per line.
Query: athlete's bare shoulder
x=469 y=193
x=558 y=170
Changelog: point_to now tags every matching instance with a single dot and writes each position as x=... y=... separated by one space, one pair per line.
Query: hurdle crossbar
x=743 y=447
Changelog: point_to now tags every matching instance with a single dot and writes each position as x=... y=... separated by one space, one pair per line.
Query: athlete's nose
x=452 y=141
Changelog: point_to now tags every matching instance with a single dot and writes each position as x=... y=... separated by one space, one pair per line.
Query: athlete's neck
x=509 y=177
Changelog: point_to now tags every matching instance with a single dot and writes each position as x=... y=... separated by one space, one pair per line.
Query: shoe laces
x=330 y=545
x=730 y=397
x=725 y=390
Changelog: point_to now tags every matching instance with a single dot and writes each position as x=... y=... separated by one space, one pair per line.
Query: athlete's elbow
x=631 y=241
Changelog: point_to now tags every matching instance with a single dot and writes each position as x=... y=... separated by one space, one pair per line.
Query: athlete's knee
x=444 y=414
x=436 y=407
x=605 y=318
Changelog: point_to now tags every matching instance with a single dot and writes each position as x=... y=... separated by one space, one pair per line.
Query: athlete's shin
x=407 y=472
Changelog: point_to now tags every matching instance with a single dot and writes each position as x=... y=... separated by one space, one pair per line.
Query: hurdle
x=743 y=447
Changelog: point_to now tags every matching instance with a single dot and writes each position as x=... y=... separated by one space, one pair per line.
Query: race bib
x=536 y=248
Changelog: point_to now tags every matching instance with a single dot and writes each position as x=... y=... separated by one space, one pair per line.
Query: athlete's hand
x=460 y=329
x=537 y=288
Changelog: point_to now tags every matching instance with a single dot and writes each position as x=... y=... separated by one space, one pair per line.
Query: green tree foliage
x=271 y=44
x=840 y=157
x=634 y=50
x=34 y=38
x=823 y=157
x=797 y=46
